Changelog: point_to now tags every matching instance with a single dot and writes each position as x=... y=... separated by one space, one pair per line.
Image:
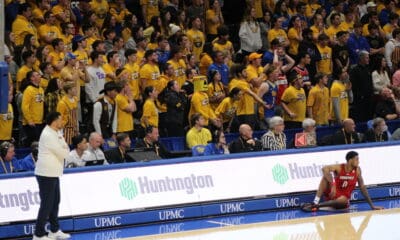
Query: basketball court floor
x=357 y=223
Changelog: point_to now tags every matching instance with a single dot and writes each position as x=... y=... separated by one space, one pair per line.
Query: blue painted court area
x=218 y=222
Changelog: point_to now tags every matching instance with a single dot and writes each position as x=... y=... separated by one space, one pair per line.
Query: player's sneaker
x=309 y=207
x=59 y=235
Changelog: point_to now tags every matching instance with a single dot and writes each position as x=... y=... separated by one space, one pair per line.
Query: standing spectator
x=33 y=107
x=249 y=33
x=277 y=31
x=308 y=46
x=392 y=50
x=196 y=37
x=245 y=142
x=334 y=28
x=214 y=19
x=57 y=55
x=48 y=31
x=97 y=78
x=255 y=73
x=275 y=138
x=318 y=101
x=295 y=34
x=226 y=110
x=113 y=63
x=150 y=72
x=245 y=113
x=22 y=24
x=304 y=59
x=325 y=64
x=341 y=97
x=125 y=108
x=220 y=66
x=380 y=77
x=68 y=108
x=178 y=64
x=104 y=111
x=52 y=151
x=149 y=10
x=376 y=42
x=6 y=120
x=361 y=80
x=150 y=110
x=216 y=91
x=340 y=53
x=294 y=101
x=52 y=95
x=200 y=103
x=267 y=92
x=29 y=59
x=357 y=43
x=74 y=73
x=176 y=107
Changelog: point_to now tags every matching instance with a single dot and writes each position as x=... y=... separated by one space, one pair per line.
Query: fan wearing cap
x=255 y=72
x=104 y=111
x=48 y=31
x=294 y=101
x=72 y=72
x=369 y=8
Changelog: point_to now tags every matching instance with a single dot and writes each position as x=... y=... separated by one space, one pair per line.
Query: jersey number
x=344 y=184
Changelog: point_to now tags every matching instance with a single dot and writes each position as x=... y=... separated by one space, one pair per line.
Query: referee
x=49 y=167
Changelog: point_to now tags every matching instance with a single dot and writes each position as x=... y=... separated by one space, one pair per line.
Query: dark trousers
x=49 y=191
x=32 y=133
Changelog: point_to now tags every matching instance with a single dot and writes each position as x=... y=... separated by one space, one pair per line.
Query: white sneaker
x=59 y=235
x=41 y=238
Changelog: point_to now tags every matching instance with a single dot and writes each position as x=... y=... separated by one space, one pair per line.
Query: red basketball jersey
x=345 y=182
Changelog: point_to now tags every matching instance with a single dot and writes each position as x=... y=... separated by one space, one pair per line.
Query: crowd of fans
x=126 y=70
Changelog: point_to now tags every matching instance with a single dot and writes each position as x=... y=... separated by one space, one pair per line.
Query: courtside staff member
x=50 y=165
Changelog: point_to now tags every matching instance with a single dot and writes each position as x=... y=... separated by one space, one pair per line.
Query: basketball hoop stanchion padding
x=3 y=87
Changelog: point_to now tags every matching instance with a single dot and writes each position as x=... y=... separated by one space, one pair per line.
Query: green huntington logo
x=280 y=174
x=131 y=188
x=128 y=188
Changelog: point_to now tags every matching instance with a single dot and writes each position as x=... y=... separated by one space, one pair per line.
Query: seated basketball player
x=337 y=184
